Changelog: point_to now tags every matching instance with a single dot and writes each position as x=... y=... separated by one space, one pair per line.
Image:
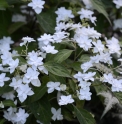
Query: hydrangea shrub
x=55 y=58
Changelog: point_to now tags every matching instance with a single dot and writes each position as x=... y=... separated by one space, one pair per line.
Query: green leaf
x=8 y=103
x=57 y=78
x=57 y=69
x=84 y=116
x=5 y=20
x=41 y=110
x=5 y=89
x=62 y=55
x=47 y=21
x=2 y=121
x=3 y=4
x=39 y=92
x=84 y=58
x=99 y=6
x=72 y=85
x=15 y=26
x=118 y=95
x=99 y=87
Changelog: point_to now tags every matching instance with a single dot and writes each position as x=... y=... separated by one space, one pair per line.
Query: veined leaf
x=84 y=116
x=47 y=21
x=8 y=103
x=15 y=26
x=57 y=69
x=99 y=6
x=62 y=55
x=41 y=110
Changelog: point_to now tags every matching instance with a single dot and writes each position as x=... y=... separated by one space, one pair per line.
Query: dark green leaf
x=99 y=6
x=2 y=121
x=15 y=26
x=57 y=78
x=47 y=21
x=62 y=55
x=39 y=92
x=5 y=89
x=8 y=103
x=84 y=116
x=57 y=69
x=3 y=4
x=41 y=110
x=5 y=20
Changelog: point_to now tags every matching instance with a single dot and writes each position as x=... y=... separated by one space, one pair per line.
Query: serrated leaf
x=41 y=110
x=57 y=69
x=47 y=21
x=99 y=6
x=8 y=103
x=62 y=55
x=84 y=116
x=15 y=26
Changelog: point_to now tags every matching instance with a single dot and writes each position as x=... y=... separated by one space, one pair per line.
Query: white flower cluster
x=26 y=74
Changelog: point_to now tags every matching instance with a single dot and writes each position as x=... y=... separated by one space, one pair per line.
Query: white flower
x=105 y=57
x=16 y=83
x=113 y=45
x=89 y=32
x=18 y=18
x=37 y=5
x=24 y=91
x=88 y=76
x=85 y=66
x=13 y=65
x=84 y=94
x=117 y=24
x=33 y=59
x=84 y=85
x=63 y=14
x=46 y=39
x=99 y=47
x=53 y=86
x=9 y=95
x=21 y=116
x=95 y=59
x=26 y=39
x=59 y=36
x=88 y=4
x=84 y=42
x=116 y=85
x=87 y=14
x=6 y=58
x=2 y=79
x=56 y=114
x=10 y=114
x=64 y=100
x=118 y=3
x=50 y=49
x=32 y=76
